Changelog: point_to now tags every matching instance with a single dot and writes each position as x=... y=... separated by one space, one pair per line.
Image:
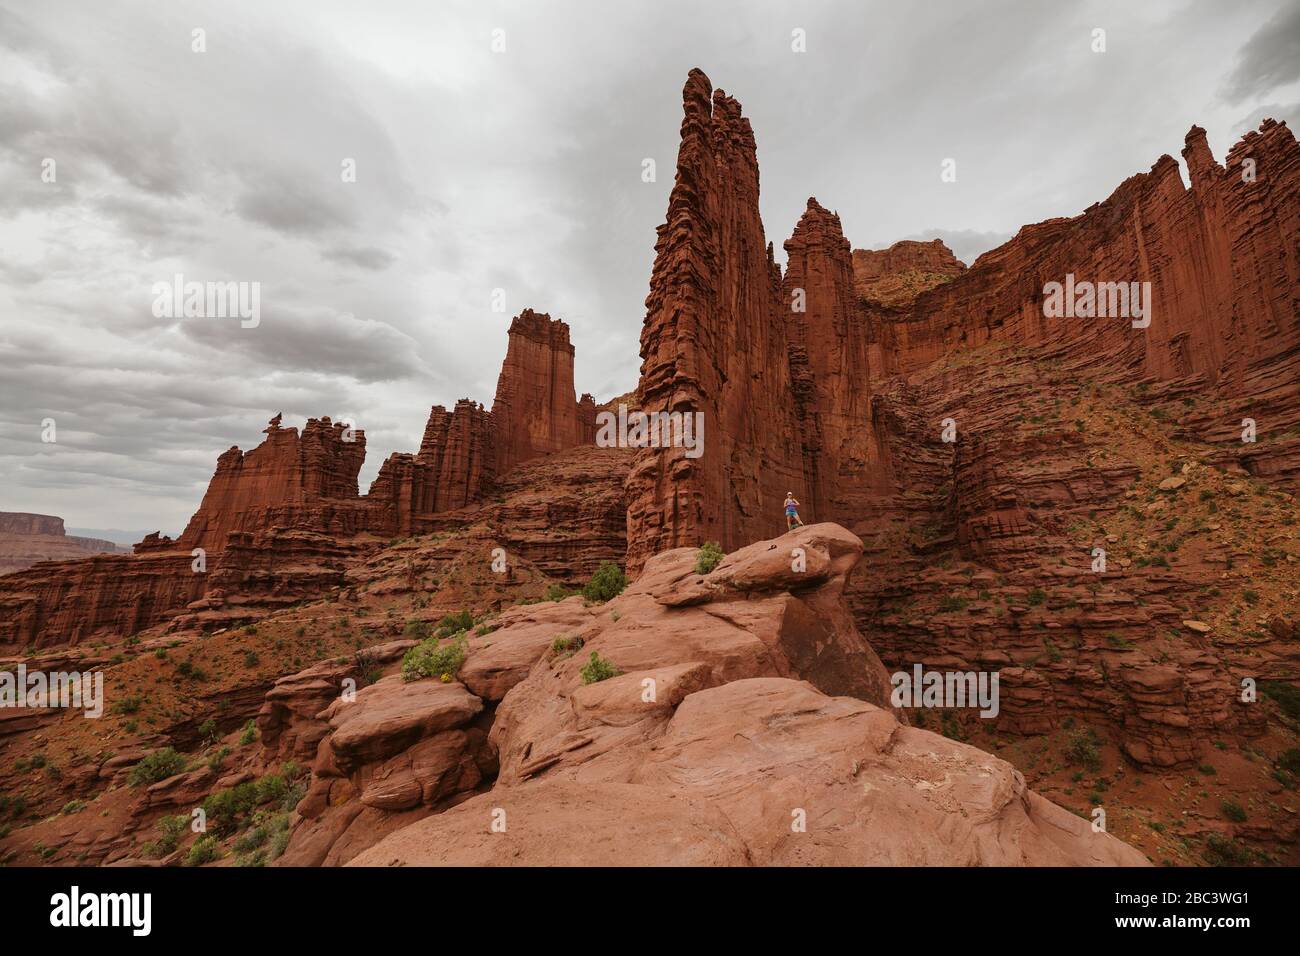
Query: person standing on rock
x=792 y=512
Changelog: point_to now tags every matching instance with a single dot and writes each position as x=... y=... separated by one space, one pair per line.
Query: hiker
x=792 y=512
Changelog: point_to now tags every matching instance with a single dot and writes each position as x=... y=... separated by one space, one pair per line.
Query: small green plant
x=708 y=557
x=159 y=765
x=950 y=603
x=1081 y=749
x=170 y=831
x=557 y=592
x=128 y=705
x=419 y=630
x=249 y=733
x=1037 y=596
x=607 y=583
x=216 y=759
x=204 y=850
x=208 y=729
x=598 y=669
x=1233 y=811
x=566 y=646
x=430 y=658
x=1224 y=851
x=455 y=623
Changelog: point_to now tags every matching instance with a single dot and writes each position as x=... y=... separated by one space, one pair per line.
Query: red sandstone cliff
x=26 y=539
x=287 y=481
x=714 y=342
x=535 y=410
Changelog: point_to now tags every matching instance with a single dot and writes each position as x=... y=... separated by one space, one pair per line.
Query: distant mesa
x=28 y=538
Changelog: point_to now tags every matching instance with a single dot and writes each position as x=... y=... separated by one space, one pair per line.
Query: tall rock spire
x=714 y=342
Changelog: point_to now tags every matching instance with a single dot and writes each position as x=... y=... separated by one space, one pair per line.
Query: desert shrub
x=128 y=705
x=208 y=729
x=598 y=669
x=708 y=557
x=1286 y=695
x=1037 y=596
x=417 y=629
x=1224 y=851
x=558 y=592
x=428 y=659
x=159 y=765
x=607 y=583
x=950 y=603
x=170 y=831
x=217 y=758
x=1289 y=760
x=203 y=851
x=1233 y=811
x=1081 y=749
x=271 y=788
x=455 y=623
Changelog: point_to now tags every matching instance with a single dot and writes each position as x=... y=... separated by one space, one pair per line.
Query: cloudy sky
x=517 y=170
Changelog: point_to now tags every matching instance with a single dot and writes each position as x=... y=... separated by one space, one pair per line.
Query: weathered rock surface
x=709 y=748
x=26 y=539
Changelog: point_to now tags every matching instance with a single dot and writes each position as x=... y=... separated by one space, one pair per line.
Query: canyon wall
x=286 y=481
x=26 y=539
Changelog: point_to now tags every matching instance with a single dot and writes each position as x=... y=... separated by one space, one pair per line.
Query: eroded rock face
x=728 y=738
x=714 y=343
x=536 y=411
x=281 y=522
x=28 y=538
x=287 y=480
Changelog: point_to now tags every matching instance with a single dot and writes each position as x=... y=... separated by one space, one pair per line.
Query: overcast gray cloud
x=518 y=170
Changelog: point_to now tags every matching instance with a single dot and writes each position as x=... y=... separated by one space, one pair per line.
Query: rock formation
x=535 y=411
x=744 y=698
x=287 y=481
x=27 y=538
x=714 y=343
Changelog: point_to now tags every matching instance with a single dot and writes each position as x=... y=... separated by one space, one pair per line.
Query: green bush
x=1224 y=851
x=1037 y=596
x=1233 y=811
x=249 y=733
x=170 y=830
x=598 y=669
x=708 y=557
x=272 y=788
x=159 y=765
x=203 y=851
x=1081 y=748
x=1289 y=760
x=606 y=584
x=428 y=659
x=558 y=592
x=455 y=623
x=419 y=630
